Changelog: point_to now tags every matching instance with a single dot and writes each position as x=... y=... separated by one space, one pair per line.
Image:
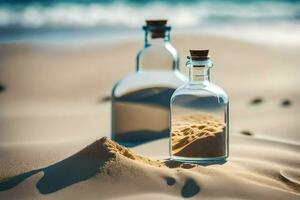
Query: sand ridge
x=114 y=148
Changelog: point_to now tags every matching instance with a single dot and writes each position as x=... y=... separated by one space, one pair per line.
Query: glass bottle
x=140 y=100
x=199 y=115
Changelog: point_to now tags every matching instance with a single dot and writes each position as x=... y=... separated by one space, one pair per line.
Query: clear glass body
x=140 y=101
x=199 y=118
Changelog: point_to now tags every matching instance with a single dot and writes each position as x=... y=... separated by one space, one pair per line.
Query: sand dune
x=105 y=169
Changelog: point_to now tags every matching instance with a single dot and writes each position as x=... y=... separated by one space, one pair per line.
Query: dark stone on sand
x=190 y=189
x=105 y=99
x=286 y=103
x=187 y=165
x=2 y=87
x=170 y=181
x=172 y=164
x=256 y=100
x=248 y=133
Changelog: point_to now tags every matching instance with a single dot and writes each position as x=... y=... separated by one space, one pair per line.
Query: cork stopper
x=199 y=54
x=157 y=27
x=159 y=22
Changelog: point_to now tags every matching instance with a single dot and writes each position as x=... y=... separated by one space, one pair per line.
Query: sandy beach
x=55 y=106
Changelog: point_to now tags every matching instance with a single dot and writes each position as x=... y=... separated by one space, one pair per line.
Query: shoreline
x=96 y=37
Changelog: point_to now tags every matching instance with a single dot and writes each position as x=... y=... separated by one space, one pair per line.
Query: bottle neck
x=199 y=74
x=199 y=70
x=153 y=37
x=158 y=53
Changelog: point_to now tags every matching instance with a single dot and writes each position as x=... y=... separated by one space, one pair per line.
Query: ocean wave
x=35 y=15
x=271 y=22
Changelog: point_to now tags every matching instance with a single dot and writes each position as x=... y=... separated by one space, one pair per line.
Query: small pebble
x=286 y=103
x=105 y=99
x=248 y=133
x=187 y=166
x=2 y=88
x=190 y=189
x=257 y=100
x=170 y=181
x=172 y=164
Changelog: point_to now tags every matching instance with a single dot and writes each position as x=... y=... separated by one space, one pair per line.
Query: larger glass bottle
x=199 y=115
x=140 y=101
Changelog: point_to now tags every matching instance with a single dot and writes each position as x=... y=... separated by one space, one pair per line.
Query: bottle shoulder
x=158 y=51
x=149 y=79
x=203 y=89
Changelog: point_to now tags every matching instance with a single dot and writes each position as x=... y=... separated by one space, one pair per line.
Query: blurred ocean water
x=262 y=21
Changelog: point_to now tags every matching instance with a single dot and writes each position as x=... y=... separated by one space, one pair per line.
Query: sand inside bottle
x=142 y=115
x=198 y=136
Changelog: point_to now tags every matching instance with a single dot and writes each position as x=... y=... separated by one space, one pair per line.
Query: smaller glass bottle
x=199 y=115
